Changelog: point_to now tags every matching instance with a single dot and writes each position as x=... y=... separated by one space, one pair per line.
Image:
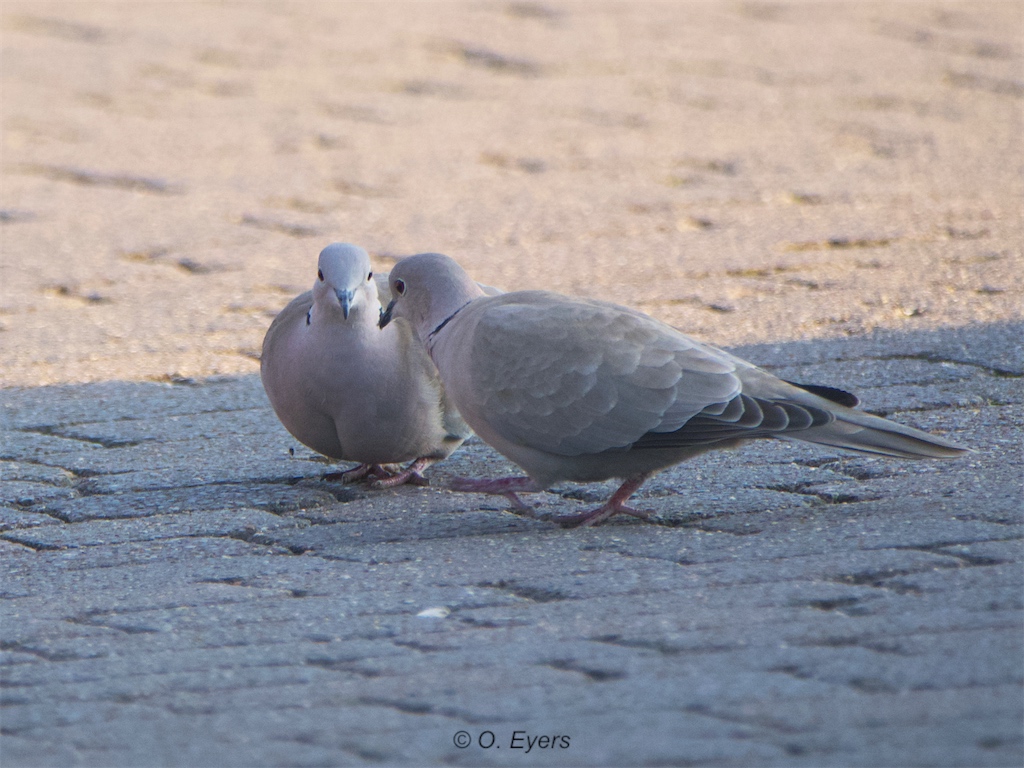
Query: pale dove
x=573 y=389
x=351 y=390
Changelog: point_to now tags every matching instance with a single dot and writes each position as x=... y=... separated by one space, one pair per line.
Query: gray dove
x=581 y=390
x=351 y=390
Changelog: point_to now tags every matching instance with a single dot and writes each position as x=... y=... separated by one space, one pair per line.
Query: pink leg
x=505 y=486
x=353 y=475
x=614 y=505
x=356 y=474
x=411 y=474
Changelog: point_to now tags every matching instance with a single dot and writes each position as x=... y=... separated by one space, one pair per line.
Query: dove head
x=428 y=290
x=344 y=282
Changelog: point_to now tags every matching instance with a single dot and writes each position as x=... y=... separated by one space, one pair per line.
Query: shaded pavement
x=181 y=590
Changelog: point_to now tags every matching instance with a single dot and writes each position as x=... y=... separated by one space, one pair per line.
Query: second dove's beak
x=345 y=299
x=385 y=316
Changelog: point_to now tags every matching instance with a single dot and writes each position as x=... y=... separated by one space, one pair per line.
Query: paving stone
x=799 y=608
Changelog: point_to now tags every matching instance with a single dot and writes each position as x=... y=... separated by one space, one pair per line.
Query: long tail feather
x=864 y=433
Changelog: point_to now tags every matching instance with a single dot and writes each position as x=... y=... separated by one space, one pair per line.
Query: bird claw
x=353 y=475
x=386 y=475
x=614 y=506
x=505 y=486
x=598 y=516
x=409 y=476
x=508 y=486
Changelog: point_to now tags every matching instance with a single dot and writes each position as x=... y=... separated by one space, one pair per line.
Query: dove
x=351 y=390
x=581 y=390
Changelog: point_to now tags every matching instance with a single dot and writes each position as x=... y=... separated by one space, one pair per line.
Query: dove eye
x=370 y=276
x=400 y=287
x=320 y=274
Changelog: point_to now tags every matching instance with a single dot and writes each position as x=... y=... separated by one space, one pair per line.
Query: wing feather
x=575 y=377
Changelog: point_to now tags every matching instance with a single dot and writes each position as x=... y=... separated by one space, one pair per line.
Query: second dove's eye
x=400 y=287
x=320 y=274
x=370 y=276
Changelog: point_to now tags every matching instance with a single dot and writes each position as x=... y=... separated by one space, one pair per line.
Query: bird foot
x=598 y=516
x=411 y=475
x=405 y=477
x=353 y=475
x=508 y=486
x=505 y=486
x=383 y=475
x=614 y=506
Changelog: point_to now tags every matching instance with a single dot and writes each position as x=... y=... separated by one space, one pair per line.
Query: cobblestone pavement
x=179 y=589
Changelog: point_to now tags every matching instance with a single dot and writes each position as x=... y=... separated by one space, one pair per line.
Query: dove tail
x=864 y=433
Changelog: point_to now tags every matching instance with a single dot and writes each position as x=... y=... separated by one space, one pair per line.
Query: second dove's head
x=428 y=289
x=344 y=281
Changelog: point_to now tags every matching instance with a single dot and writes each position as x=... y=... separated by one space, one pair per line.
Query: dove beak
x=385 y=316
x=345 y=298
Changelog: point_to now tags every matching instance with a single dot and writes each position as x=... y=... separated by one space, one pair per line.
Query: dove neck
x=443 y=323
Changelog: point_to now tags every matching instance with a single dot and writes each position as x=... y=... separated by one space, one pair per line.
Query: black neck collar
x=447 y=320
